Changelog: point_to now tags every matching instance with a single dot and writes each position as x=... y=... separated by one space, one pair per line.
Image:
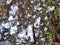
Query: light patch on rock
x=41 y=35
x=28 y=15
x=43 y=39
x=11 y=12
x=10 y=18
x=37 y=8
x=45 y=29
x=34 y=16
x=14 y=9
x=50 y=8
x=43 y=0
x=17 y=23
x=37 y=43
x=46 y=17
x=32 y=2
x=5 y=25
x=58 y=3
x=37 y=22
x=36 y=33
x=6 y=33
x=6 y=42
x=16 y=17
x=13 y=30
x=22 y=34
x=18 y=41
x=30 y=33
x=8 y=1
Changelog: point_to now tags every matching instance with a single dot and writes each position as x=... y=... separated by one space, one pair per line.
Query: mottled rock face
x=29 y=22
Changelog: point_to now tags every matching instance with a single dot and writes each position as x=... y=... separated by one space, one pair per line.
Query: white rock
x=23 y=6
x=22 y=34
x=10 y=18
x=43 y=0
x=30 y=33
x=18 y=41
x=6 y=33
x=36 y=33
x=32 y=2
x=44 y=5
x=11 y=12
x=17 y=23
x=50 y=8
x=42 y=39
x=8 y=1
x=13 y=30
x=10 y=23
x=37 y=22
x=42 y=24
x=45 y=29
x=34 y=16
x=28 y=15
x=37 y=43
x=40 y=11
x=47 y=32
x=27 y=37
x=5 y=25
x=37 y=8
x=6 y=42
x=58 y=3
x=16 y=17
x=39 y=4
x=14 y=9
x=46 y=17
x=5 y=38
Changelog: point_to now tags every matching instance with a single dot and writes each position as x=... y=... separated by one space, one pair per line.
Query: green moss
x=57 y=12
x=49 y=35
